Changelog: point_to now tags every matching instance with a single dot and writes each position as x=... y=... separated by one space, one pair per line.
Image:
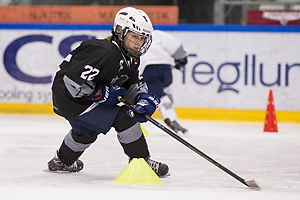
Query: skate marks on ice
x=28 y=143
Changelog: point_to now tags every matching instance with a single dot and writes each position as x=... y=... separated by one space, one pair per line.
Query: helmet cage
x=131 y=52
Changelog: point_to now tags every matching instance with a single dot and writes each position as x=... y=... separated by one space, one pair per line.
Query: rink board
x=183 y=113
x=229 y=74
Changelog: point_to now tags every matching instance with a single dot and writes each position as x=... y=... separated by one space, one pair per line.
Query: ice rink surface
x=28 y=142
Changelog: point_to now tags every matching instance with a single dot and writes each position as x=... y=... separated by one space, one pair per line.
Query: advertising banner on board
x=231 y=70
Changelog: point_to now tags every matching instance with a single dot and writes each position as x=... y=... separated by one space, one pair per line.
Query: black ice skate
x=56 y=165
x=175 y=126
x=159 y=168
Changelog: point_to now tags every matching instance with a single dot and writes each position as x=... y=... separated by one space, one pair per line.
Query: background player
x=165 y=52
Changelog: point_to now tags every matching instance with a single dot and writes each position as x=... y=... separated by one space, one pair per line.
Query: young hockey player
x=86 y=87
x=165 y=52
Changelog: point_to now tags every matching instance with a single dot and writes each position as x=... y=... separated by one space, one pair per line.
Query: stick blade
x=253 y=185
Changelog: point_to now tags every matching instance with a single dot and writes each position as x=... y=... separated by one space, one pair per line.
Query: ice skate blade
x=47 y=170
x=253 y=185
x=182 y=134
x=60 y=172
x=164 y=176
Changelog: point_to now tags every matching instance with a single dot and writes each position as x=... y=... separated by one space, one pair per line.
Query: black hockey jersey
x=93 y=62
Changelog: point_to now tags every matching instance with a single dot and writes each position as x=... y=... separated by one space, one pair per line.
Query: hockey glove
x=179 y=63
x=108 y=94
x=147 y=104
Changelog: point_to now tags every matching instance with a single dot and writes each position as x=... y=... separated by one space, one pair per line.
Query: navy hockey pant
x=86 y=127
x=157 y=78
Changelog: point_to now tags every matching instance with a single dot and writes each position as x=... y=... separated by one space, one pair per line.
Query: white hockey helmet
x=137 y=21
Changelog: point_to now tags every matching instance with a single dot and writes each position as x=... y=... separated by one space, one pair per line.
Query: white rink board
x=37 y=59
x=230 y=70
x=239 y=61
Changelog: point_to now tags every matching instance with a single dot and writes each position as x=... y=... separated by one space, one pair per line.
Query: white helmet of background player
x=137 y=21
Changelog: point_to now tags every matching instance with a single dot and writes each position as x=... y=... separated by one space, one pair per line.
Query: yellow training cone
x=144 y=130
x=138 y=172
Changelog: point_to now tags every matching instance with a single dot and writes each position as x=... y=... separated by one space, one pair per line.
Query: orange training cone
x=270 y=120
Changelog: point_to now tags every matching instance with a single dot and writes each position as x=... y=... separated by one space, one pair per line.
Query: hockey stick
x=251 y=184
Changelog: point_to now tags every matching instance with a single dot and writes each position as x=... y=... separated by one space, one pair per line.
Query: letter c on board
x=11 y=64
